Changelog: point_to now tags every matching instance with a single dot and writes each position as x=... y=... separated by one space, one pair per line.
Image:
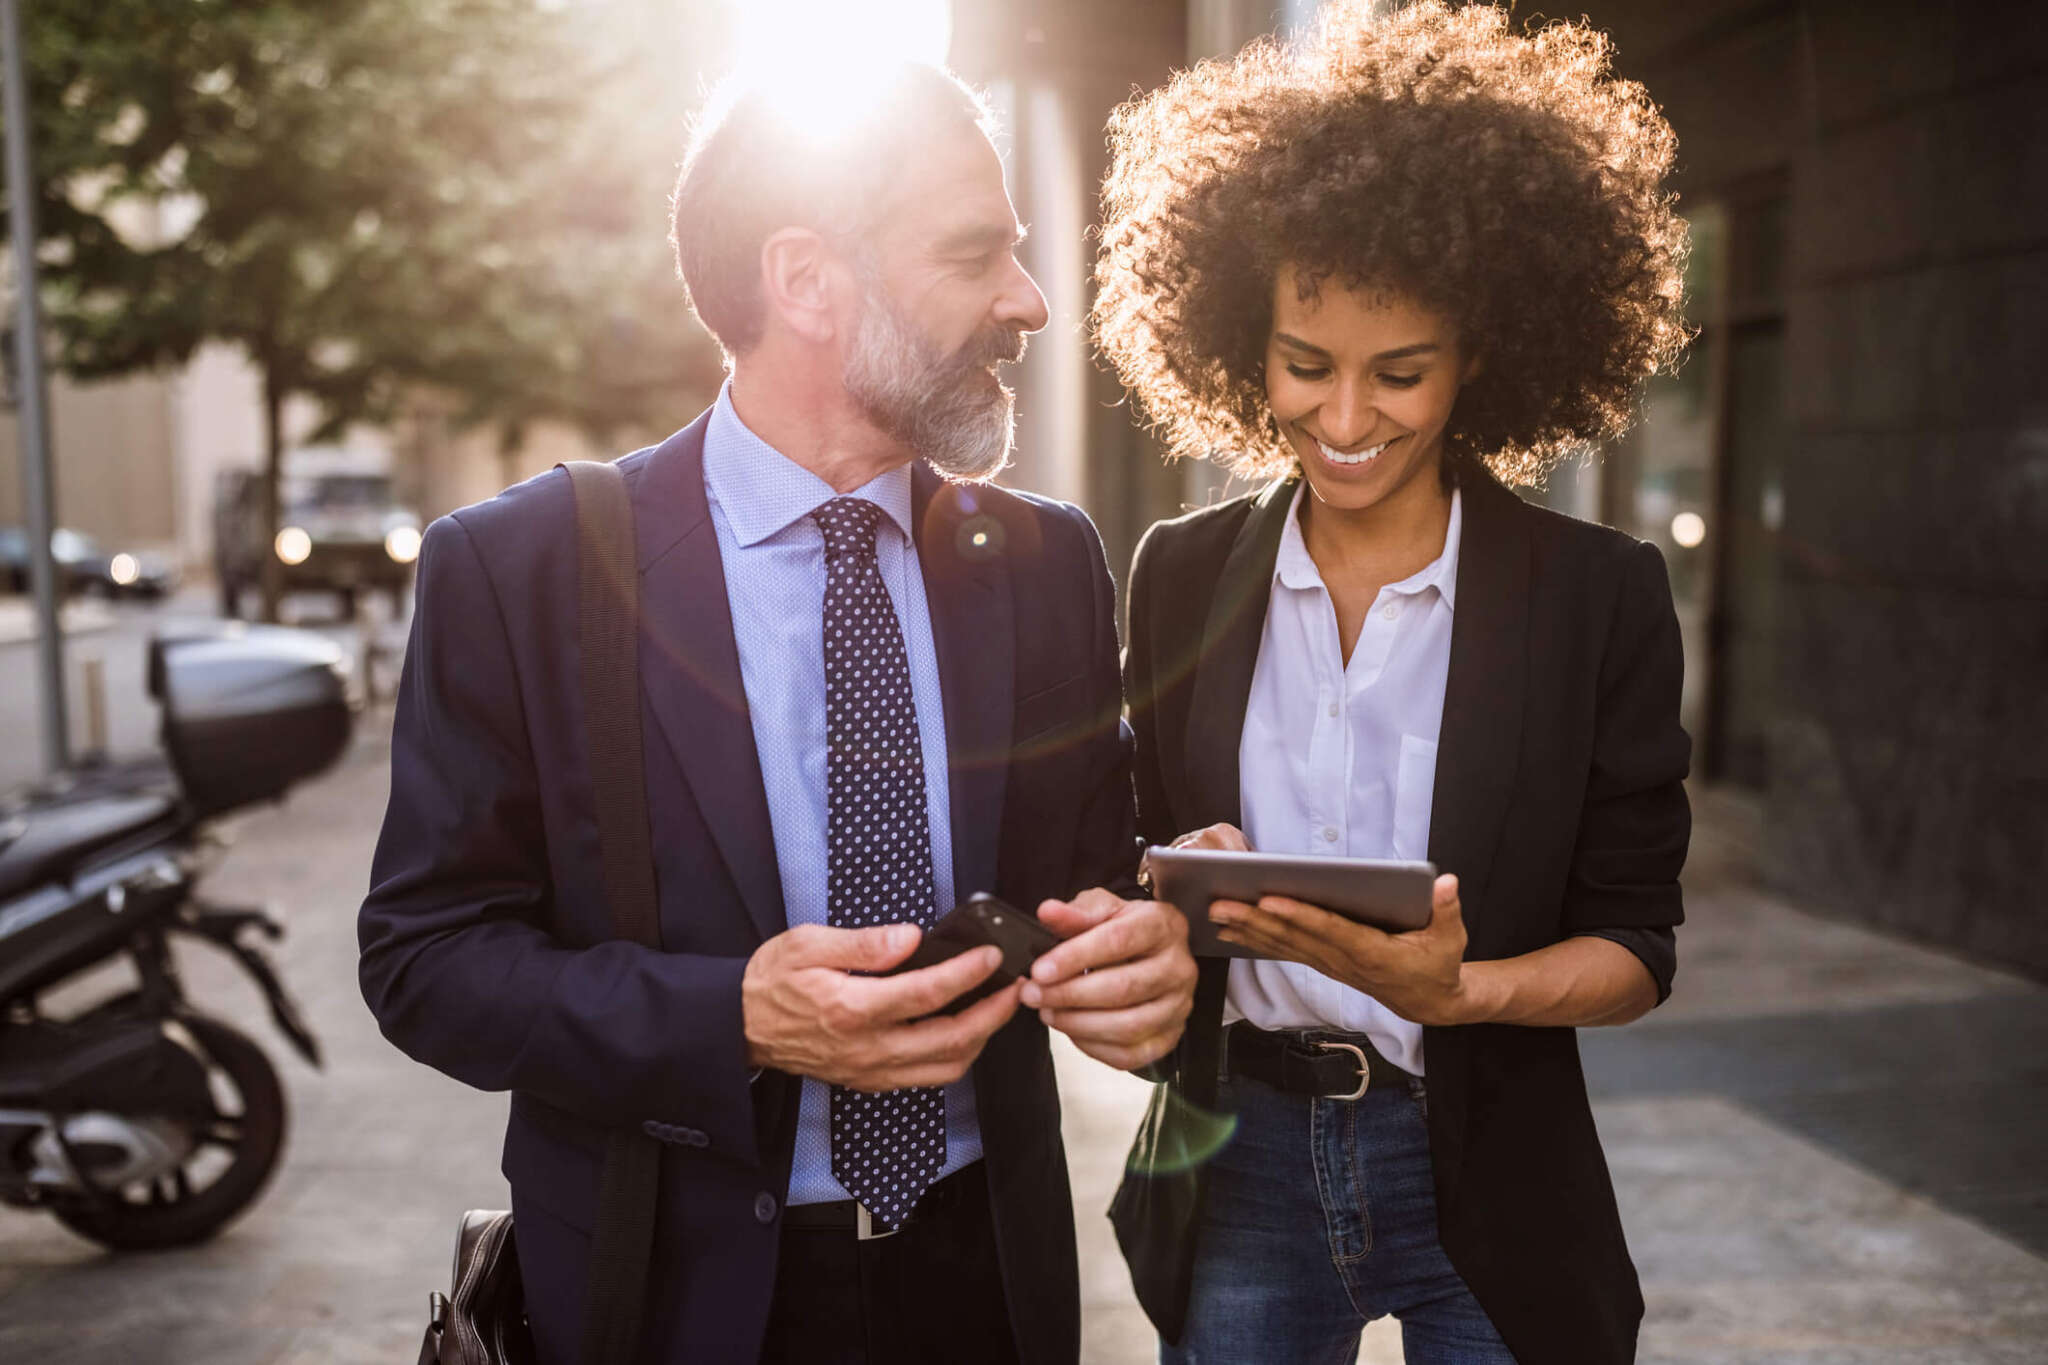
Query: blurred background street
x=315 y=272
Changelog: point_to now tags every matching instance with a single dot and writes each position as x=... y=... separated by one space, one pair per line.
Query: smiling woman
x=1394 y=267
x=1507 y=184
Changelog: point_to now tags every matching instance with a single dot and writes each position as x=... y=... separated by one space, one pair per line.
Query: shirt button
x=764 y=1207
x=1392 y=611
x=1329 y=834
x=1333 y=708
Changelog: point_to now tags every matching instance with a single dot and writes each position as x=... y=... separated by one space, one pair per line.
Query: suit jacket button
x=652 y=1128
x=764 y=1207
x=696 y=1137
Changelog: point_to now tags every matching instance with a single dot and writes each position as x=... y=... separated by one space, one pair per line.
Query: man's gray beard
x=943 y=408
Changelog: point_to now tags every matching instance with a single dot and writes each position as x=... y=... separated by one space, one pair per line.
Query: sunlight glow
x=779 y=33
x=813 y=52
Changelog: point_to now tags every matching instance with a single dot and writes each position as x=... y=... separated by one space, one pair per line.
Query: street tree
x=364 y=196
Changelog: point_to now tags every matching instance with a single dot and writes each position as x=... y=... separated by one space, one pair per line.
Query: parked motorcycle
x=136 y=1119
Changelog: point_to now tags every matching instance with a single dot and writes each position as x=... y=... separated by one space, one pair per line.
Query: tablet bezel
x=1386 y=893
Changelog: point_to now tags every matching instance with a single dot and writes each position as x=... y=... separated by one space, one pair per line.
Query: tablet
x=1386 y=894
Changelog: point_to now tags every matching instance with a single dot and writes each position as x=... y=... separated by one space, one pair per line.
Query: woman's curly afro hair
x=1504 y=180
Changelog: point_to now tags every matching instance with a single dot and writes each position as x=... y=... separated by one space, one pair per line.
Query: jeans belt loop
x=1364 y=1069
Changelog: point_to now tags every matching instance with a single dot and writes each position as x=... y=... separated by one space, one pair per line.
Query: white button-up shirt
x=1339 y=758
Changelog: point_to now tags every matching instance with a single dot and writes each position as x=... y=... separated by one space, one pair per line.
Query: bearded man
x=827 y=584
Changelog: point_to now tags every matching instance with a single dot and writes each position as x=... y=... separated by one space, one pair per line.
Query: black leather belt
x=846 y=1215
x=1342 y=1066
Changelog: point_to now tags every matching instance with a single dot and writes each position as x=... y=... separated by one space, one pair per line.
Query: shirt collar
x=1294 y=568
x=763 y=492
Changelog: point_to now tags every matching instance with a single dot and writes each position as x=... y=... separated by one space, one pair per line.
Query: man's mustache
x=990 y=346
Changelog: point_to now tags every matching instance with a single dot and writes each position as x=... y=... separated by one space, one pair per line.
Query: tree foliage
x=360 y=193
x=367 y=197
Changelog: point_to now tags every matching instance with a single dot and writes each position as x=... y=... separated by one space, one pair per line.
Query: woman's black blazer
x=1559 y=803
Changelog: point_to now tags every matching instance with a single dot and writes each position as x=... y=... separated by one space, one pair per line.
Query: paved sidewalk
x=1828 y=1147
x=78 y=616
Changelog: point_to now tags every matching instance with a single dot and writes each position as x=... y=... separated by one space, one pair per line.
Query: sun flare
x=815 y=53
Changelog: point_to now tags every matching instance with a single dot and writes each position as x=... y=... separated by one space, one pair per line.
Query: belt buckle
x=864 y=1225
x=1364 y=1069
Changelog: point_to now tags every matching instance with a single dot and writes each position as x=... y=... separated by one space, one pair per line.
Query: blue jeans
x=1321 y=1216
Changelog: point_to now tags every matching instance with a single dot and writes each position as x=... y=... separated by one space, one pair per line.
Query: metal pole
x=92 y=670
x=28 y=369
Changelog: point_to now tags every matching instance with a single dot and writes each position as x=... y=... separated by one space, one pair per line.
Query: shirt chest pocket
x=1414 y=788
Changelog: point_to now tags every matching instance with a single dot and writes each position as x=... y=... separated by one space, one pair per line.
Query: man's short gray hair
x=752 y=169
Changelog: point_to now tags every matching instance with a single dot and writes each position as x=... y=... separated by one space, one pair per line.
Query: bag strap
x=608 y=640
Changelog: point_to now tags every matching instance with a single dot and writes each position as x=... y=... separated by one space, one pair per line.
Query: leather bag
x=482 y=1319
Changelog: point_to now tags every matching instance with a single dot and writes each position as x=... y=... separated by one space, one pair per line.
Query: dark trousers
x=933 y=1292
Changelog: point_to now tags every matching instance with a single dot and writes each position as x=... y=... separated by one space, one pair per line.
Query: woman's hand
x=1228 y=837
x=1419 y=975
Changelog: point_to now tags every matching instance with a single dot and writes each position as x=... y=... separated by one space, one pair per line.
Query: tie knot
x=849 y=526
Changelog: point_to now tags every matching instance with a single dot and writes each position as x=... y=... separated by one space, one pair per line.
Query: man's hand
x=1419 y=975
x=806 y=1014
x=1122 y=984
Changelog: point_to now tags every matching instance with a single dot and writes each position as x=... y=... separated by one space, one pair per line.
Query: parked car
x=84 y=566
x=341 y=531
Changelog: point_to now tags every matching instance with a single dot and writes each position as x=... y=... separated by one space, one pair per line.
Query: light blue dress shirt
x=774 y=558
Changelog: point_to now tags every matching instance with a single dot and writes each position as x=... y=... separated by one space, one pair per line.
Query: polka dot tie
x=886 y=1148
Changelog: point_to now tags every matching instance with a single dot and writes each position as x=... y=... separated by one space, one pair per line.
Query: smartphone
x=979 y=920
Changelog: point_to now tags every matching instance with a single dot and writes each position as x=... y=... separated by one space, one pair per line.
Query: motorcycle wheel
x=175 y=1209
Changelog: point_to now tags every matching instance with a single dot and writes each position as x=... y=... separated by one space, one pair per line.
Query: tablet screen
x=1388 y=894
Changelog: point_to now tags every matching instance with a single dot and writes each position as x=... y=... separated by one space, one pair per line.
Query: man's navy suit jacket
x=486 y=943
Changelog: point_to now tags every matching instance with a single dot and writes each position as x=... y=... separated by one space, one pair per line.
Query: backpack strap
x=608 y=642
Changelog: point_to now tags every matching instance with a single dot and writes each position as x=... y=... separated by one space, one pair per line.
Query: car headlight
x=293 y=545
x=123 y=569
x=402 y=543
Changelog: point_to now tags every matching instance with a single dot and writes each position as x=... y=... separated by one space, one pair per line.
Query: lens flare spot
x=294 y=545
x=402 y=543
x=1180 y=1136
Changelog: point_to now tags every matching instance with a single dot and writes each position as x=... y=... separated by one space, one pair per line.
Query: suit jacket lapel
x=690 y=668
x=967 y=589
x=1230 y=653
x=1483 y=694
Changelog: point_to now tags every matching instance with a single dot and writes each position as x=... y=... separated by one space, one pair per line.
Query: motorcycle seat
x=50 y=841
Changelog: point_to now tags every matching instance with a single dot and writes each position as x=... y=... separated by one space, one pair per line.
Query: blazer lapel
x=1482 y=720
x=690 y=668
x=967 y=588
x=1230 y=654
